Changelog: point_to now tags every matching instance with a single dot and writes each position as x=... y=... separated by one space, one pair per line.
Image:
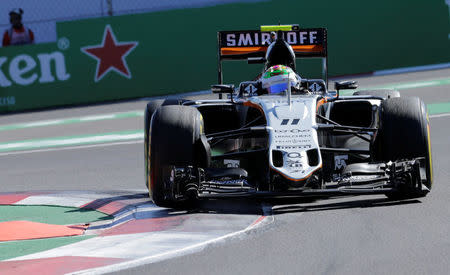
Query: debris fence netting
x=41 y=16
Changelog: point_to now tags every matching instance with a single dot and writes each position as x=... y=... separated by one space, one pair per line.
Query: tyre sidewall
x=403 y=133
x=174 y=133
x=150 y=109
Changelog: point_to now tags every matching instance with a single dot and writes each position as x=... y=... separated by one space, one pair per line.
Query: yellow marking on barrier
x=429 y=152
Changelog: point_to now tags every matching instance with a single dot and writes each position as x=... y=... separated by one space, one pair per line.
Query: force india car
x=289 y=138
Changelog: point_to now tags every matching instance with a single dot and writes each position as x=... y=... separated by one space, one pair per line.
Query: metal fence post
x=110 y=7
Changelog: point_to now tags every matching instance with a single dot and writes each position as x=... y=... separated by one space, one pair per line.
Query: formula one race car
x=284 y=136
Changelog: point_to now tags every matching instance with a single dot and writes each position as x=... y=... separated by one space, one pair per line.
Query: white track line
x=412 y=69
x=183 y=251
x=71 y=148
x=440 y=115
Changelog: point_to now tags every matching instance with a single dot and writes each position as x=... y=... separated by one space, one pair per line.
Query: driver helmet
x=276 y=78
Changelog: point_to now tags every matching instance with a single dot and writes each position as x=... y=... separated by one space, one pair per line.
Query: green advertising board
x=167 y=52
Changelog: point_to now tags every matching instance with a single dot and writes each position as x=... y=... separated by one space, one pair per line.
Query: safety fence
x=41 y=16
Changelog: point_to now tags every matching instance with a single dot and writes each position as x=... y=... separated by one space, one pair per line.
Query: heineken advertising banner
x=159 y=53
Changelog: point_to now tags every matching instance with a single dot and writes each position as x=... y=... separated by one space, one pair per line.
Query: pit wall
x=175 y=51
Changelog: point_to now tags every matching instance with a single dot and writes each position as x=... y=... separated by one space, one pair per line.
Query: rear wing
x=239 y=45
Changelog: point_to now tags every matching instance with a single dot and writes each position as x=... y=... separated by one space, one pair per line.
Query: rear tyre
x=175 y=139
x=384 y=93
x=404 y=133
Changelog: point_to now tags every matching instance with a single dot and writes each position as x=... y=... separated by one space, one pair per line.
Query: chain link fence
x=41 y=15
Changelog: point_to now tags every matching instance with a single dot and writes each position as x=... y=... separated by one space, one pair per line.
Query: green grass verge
x=15 y=249
x=50 y=214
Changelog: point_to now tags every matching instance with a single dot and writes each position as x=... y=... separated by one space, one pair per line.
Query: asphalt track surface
x=338 y=236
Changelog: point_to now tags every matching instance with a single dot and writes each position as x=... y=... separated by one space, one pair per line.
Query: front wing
x=380 y=178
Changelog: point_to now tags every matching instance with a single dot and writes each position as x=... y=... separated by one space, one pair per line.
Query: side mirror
x=222 y=88
x=345 y=85
x=256 y=60
x=250 y=88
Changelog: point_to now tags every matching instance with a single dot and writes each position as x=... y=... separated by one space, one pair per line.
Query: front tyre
x=174 y=137
x=404 y=133
x=150 y=109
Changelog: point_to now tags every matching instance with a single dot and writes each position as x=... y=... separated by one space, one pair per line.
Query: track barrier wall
x=175 y=51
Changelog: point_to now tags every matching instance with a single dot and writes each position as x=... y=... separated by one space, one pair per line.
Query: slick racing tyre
x=151 y=108
x=175 y=139
x=404 y=134
x=384 y=93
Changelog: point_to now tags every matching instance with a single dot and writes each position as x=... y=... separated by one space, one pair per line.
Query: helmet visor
x=277 y=88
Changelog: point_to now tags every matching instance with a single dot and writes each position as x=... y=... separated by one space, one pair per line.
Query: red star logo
x=110 y=55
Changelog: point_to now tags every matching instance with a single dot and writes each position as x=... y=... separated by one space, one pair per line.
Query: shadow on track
x=120 y=203
x=115 y=205
x=320 y=206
